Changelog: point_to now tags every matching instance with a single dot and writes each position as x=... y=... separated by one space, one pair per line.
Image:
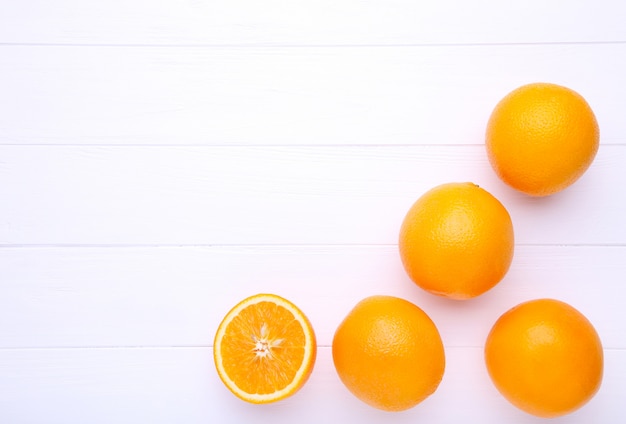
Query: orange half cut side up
x=264 y=349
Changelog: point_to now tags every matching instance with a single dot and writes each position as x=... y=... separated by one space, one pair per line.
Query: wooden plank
x=115 y=195
x=176 y=296
x=305 y=96
x=299 y=22
x=173 y=385
x=161 y=160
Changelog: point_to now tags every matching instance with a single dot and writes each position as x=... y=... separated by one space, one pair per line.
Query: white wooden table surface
x=161 y=160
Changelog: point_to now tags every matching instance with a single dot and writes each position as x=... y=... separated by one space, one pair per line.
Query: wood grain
x=142 y=95
x=176 y=296
x=167 y=385
x=130 y=195
x=300 y=22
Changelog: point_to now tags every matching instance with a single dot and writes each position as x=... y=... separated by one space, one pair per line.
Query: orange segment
x=264 y=349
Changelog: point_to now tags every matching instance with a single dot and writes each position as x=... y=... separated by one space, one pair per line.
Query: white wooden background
x=161 y=160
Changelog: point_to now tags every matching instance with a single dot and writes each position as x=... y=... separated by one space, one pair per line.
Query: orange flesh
x=263 y=348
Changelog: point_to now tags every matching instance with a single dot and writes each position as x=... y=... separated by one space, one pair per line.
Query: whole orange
x=388 y=353
x=541 y=138
x=545 y=357
x=457 y=241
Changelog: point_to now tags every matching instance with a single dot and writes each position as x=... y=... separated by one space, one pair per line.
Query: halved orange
x=264 y=349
